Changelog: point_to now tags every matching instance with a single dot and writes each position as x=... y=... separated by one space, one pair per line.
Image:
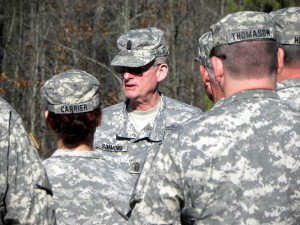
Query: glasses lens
x=135 y=70
x=131 y=70
x=119 y=69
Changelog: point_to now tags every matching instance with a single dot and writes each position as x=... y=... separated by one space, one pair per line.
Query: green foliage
x=258 y=5
x=231 y=6
x=208 y=103
x=267 y=5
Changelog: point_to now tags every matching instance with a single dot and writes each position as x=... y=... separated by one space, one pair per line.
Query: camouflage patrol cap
x=288 y=25
x=73 y=91
x=139 y=47
x=205 y=46
x=243 y=26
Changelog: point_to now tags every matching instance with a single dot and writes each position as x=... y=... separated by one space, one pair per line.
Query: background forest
x=41 y=38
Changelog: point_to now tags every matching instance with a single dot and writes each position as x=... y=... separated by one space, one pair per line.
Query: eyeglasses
x=133 y=70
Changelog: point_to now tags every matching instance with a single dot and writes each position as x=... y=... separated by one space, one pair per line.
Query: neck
x=146 y=104
x=217 y=92
x=233 y=86
x=288 y=73
x=80 y=147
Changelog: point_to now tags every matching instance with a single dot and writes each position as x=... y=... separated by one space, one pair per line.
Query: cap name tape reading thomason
x=250 y=34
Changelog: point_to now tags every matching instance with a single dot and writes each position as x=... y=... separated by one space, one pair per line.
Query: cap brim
x=131 y=61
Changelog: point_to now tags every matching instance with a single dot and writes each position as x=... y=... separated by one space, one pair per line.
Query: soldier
x=288 y=27
x=25 y=191
x=212 y=87
x=82 y=191
x=239 y=163
x=129 y=129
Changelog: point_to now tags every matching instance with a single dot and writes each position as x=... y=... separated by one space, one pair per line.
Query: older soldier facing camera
x=79 y=176
x=129 y=129
x=239 y=163
x=288 y=27
x=25 y=191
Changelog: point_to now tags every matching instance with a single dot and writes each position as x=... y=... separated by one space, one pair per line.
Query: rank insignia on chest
x=135 y=167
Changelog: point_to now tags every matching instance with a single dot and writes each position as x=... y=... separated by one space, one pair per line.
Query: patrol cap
x=73 y=91
x=288 y=25
x=139 y=47
x=205 y=47
x=243 y=26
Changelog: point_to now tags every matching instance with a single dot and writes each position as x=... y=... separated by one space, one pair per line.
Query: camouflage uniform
x=25 y=191
x=126 y=149
x=238 y=163
x=120 y=144
x=289 y=91
x=288 y=29
x=82 y=192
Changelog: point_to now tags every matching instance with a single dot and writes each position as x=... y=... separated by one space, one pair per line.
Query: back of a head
x=246 y=41
x=73 y=105
x=204 y=49
x=288 y=30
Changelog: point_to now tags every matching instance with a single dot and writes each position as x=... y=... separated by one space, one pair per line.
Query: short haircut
x=161 y=60
x=74 y=129
x=291 y=54
x=257 y=58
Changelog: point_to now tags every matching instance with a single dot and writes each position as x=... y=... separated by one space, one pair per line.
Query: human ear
x=280 y=60
x=46 y=114
x=204 y=75
x=162 y=72
x=218 y=66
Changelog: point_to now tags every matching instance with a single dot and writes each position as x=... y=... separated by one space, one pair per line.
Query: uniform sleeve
x=29 y=197
x=161 y=198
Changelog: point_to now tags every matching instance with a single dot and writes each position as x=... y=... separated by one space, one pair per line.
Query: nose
x=127 y=75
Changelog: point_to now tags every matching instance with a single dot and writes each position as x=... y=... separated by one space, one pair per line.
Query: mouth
x=130 y=86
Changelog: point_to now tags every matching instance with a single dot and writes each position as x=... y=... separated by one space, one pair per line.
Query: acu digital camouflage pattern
x=288 y=25
x=126 y=149
x=25 y=191
x=139 y=47
x=85 y=188
x=73 y=91
x=243 y=26
x=205 y=47
x=238 y=163
x=289 y=91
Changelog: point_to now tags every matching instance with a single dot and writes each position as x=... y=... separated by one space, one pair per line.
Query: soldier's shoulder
x=175 y=105
x=7 y=112
x=5 y=107
x=114 y=108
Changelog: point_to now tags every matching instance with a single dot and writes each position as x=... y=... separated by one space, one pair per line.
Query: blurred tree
x=40 y=38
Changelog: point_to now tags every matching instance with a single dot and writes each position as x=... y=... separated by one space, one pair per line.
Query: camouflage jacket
x=25 y=191
x=238 y=163
x=83 y=189
x=125 y=148
x=289 y=91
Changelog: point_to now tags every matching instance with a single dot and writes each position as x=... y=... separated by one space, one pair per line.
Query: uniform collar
x=255 y=93
x=76 y=153
x=154 y=131
x=288 y=83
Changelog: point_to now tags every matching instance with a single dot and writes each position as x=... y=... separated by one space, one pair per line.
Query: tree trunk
x=173 y=49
